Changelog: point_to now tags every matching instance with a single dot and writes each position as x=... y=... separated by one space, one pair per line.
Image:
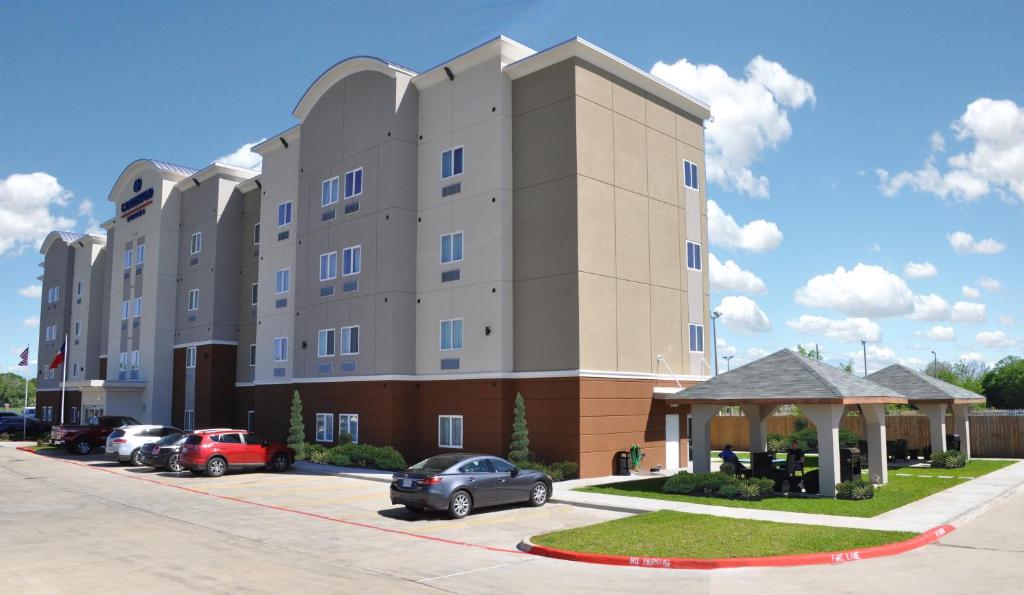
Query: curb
x=973 y=513
x=714 y=563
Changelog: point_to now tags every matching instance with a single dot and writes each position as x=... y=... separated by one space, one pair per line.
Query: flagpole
x=24 y=416
x=64 y=377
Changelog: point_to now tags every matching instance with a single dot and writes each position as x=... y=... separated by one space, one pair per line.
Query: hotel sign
x=135 y=207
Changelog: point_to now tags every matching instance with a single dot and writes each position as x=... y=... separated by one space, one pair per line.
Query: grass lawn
x=899 y=491
x=669 y=534
x=974 y=468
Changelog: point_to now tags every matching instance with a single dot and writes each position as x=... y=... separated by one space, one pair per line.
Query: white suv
x=125 y=443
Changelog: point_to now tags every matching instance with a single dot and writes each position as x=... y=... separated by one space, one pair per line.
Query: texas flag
x=59 y=358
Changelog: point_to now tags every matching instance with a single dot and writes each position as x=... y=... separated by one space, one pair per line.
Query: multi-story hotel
x=415 y=251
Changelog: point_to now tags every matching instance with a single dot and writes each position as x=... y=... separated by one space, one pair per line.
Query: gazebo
x=932 y=397
x=787 y=378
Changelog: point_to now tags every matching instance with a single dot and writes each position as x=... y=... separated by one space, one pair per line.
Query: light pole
x=935 y=364
x=728 y=363
x=714 y=336
x=864 y=345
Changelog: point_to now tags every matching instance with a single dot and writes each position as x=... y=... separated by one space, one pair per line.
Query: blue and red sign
x=135 y=207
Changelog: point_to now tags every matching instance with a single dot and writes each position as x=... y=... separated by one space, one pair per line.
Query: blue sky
x=823 y=153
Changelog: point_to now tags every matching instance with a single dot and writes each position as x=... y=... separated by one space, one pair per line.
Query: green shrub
x=5 y=437
x=320 y=456
x=777 y=443
x=338 y=457
x=756 y=488
x=296 y=429
x=728 y=468
x=719 y=484
x=848 y=438
x=344 y=438
x=376 y=457
x=731 y=490
x=806 y=438
x=519 y=448
x=855 y=489
x=800 y=423
x=951 y=459
x=559 y=471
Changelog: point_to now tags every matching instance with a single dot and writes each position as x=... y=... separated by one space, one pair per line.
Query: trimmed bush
x=320 y=456
x=718 y=484
x=951 y=459
x=855 y=489
x=777 y=443
x=559 y=471
x=296 y=429
x=356 y=455
x=519 y=448
x=756 y=488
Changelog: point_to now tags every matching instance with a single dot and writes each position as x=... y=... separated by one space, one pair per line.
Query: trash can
x=812 y=482
x=849 y=464
x=952 y=441
x=621 y=463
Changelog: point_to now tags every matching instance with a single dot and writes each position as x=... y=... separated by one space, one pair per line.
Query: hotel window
x=348 y=423
x=193 y=300
x=284 y=213
x=190 y=357
x=128 y=259
x=280 y=349
x=350 y=340
x=138 y=307
x=52 y=295
x=250 y=421
x=351 y=261
x=329 y=192
x=74 y=369
x=256 y=235
x=283 y=281
x=328 y=266
x=451 y=334
x=451 y=163
x=353 y=183
x=693 y=260
x=255 y=293
x=81 y=288
x=140 y=254
x=449 y=431
x=74 y=415
x=123 y=360
x=135 y=359
x=124 y=310
x=190 y=420
x=78 y=329
x=197 y=242
x=697 y=338
x=690 y=177
x=252 y=355
x=325 y=343
x=325 y=427
x=451 y=247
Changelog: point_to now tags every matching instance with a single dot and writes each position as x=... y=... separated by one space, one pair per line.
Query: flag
x=24 y=358
x=59 y=358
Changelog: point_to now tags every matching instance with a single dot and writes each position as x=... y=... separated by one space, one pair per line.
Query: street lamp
x=728 y=363
x=935 y=364
x=864 y=345
x=715 y=315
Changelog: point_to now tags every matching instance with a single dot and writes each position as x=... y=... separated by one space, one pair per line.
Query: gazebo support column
x=701 y=416
x=936 y=413
x=878 y=458
x=757 y=422
x=826 y=420
x=962 y=423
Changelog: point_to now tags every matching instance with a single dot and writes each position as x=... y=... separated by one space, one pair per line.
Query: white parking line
x=435 y=578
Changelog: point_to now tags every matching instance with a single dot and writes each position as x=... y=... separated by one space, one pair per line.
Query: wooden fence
x=991 y=435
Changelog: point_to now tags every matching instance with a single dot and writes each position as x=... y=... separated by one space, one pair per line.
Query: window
x=51 y=332
x=451 y=162
x=348 y=423
x=351 y=260
x=256 y=235
x=325 y=427
x=53 y=295
x=329 y=192
x=451 y=334
x=350 y=340
x=451 y=247
x=252 y=355
x=280 y=349
x=124 y=310
x=128 y=259
x=190 y=357
x=250 y=421
x=325 y=343
x=190 y=420
x=193 y=300
x=197 y=242
x=255 y=293
x=123 y=360
x=135 y=359
x=693 y=260
x=78 y=329
x=449 y=431
x=81 y=288
x=74 y=369
x=353 y=183
x=140 y=254
x=138 y=307
x=74 y=415
x=284 y=213
x=697 y=338
x=328 y=266
x=283 y=280
x=690 y=177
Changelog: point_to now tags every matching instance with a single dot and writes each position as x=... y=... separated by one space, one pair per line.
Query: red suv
x=213 y=452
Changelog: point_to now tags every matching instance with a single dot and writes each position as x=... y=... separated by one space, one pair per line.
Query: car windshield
x=172 y=439
x=438 y=463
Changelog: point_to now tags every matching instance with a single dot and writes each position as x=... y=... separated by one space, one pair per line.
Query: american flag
x=24 y=358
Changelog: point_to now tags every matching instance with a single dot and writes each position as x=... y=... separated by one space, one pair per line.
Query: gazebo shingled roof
x=922 y=388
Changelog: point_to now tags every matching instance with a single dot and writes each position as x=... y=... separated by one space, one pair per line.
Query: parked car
x=4 y=414
x=215 y=452
x=14 y=425
x=82 y=439
x=125 y=443
x=164 y=453
x=461 y=482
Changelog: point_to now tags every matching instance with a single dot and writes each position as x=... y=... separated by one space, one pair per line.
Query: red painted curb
x=713 y=563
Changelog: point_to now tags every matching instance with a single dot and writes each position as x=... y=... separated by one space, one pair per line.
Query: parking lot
x=90 y=525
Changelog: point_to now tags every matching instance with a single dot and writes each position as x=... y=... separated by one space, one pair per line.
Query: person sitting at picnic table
x=794 y=459
x=728 y=456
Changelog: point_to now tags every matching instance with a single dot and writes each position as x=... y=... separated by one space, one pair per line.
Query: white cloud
x=756 y=352
x=963 y=243
x=850 y=330
x=919 y=270
x=728 y=276
x=756 y=236
x=968 y=313
x=724 y=348
x=25 y=215
x=743 y=314
x=31 y=322
x=994 y=339
x=973 y=356
x=929 y=307
x=864 y=291
x=879 y=356
x=31 y=291
x=996 y=161
x=244 y=157
x=990 y=284
x=970 y=292
x=937 y=143
x=85 y=207
x=750 y=115
x=939 y=333
x=1007 y=320
x=875 y=247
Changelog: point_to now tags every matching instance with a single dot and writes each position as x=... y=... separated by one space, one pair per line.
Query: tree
x=519 y=448
x=846 y=366
x=1003 y=385
x=811 y=353
x=12 y=390
x=965 y=374
x=296 y=429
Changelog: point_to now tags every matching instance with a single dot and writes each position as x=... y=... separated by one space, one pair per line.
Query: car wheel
x=83 y=447
x=538 y=494
x=216 y=467
x=460 y=505
x=279 y=463
x=136 y=458
x=173 y=464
